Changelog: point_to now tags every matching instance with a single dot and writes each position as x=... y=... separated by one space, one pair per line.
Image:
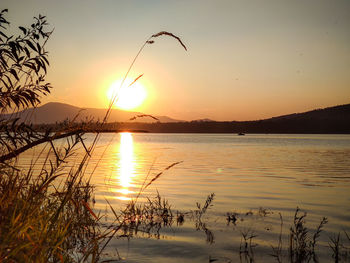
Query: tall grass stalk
x=277 y=251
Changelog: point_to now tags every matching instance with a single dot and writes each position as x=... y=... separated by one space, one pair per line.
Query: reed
x=335 y=245
x=41 y=221
x=339 y=247
x=198 y=214
x=146 y=218
x=277 y=251
x=301 y=245
x=201 y=210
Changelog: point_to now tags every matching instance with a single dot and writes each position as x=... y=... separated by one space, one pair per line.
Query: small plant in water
x=335 y=245
x=148 y=217
x=200 y=225
x=277 y=251
x=301 y=246
x=202 y=209
x=246 y=246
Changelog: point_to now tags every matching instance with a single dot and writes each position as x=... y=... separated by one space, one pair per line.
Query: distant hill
x=329 y=120
x=53 y=112
x=340 y=112
x=203 y=120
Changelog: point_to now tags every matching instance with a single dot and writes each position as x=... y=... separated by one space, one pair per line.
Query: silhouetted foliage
x=39 y=221
x=23 y=68
x=23 y=64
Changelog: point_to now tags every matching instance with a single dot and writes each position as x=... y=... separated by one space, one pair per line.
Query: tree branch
x=22 y=149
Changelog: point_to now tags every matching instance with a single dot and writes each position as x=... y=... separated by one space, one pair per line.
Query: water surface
x=275 y=172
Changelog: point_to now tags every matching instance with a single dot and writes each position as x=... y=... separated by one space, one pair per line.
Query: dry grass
x=162 y=33
x=146 y=218
x=42 y=221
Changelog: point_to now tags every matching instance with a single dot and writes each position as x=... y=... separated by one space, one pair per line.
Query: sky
x=246 y=60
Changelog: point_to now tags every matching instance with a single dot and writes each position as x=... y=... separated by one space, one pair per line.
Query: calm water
x=276 y=172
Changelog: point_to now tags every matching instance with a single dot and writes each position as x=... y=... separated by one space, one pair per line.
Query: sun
x=126 y=97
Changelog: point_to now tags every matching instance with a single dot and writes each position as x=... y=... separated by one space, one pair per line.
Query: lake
x=255 y=177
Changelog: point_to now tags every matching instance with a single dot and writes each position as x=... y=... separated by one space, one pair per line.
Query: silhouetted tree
x=23 y=64
x=23 y=68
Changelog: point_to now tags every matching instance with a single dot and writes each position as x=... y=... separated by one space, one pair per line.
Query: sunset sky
x=245 y=60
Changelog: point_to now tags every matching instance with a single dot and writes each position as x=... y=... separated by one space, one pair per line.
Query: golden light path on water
x=126 y=165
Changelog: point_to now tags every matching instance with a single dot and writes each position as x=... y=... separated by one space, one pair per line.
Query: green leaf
x=23 y=29
x=39 y=48
x=27 y=52
x=9 y=81
x=1 y=33
x=44 y=58
x=31 y=45
x=30 y=65
x=3 y=81
x=14 y=73
x=43 y=66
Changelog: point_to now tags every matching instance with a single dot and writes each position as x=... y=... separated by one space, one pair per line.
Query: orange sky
x=245 y=60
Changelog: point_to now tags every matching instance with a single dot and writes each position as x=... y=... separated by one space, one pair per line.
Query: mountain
x=340 y=112
x=329 y=120
x=53 y=112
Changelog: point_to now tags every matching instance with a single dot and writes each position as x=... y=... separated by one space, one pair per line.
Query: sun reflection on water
x=126 y=165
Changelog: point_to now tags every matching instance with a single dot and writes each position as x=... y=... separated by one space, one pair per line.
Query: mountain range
x=55 y=112
x=328 y=120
